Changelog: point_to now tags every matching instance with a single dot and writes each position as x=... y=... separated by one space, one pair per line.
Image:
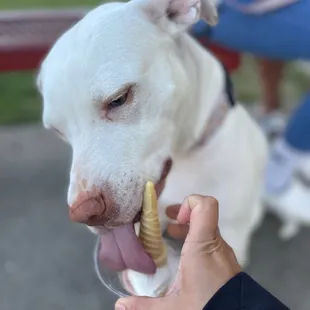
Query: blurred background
x=45 y=260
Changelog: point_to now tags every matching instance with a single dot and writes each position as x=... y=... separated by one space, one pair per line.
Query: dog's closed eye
x=118 y=101
x=112 y=107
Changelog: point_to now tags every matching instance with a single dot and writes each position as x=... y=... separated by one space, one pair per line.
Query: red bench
x=26 y=36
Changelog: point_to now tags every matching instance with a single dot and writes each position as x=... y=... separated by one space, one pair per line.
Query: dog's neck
x=205 y=92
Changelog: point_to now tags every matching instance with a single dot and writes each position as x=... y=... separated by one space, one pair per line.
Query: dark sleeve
x=243 y=293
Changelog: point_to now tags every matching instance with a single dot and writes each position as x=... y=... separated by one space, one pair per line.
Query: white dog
x=133 y=93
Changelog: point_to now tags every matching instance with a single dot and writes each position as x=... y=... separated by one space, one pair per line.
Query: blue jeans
x=283 y=34
x=297 y=132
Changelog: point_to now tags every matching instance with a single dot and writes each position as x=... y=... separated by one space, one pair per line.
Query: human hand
x=207 y=261
x=176 y=230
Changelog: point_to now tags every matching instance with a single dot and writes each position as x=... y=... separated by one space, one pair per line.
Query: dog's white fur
x=177 y=85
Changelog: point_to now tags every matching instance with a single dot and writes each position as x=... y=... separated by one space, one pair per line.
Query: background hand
x=176 y=230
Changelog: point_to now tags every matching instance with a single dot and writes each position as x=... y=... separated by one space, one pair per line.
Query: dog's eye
x=118 y=102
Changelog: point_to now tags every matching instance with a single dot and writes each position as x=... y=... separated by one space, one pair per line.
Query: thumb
x=202 y=214
x=140 y=303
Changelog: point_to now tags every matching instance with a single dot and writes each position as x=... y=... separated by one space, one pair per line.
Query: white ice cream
x=157 y=284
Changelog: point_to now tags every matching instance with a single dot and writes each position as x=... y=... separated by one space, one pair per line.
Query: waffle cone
x=150 y=232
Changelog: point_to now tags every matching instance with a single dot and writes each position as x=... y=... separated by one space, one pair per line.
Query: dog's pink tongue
x=121 y=249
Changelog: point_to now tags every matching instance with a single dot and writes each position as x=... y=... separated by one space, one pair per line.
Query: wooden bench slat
x=26 y=36
x=14 y=15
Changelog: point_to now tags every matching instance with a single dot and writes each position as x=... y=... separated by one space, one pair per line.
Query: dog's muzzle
x=90 y=211
x=97 y=208
x=120 y=247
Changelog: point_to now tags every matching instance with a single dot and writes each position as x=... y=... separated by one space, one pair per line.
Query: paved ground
x=46 y=261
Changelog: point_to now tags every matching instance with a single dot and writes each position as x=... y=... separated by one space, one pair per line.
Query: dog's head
x=111 y=87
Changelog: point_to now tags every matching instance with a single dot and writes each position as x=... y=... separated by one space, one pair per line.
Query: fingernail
x=120 y=307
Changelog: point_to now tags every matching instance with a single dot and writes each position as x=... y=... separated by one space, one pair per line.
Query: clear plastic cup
x=110 y=279
x=114 y=281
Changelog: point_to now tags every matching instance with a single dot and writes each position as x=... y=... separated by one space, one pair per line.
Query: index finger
x=173 y=211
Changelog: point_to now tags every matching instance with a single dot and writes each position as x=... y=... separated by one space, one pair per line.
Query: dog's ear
x=183 y=13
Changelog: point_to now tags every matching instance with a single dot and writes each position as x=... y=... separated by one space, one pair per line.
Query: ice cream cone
x=150 y=232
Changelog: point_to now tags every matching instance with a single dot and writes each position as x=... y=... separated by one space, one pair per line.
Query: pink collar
x=216 y=119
